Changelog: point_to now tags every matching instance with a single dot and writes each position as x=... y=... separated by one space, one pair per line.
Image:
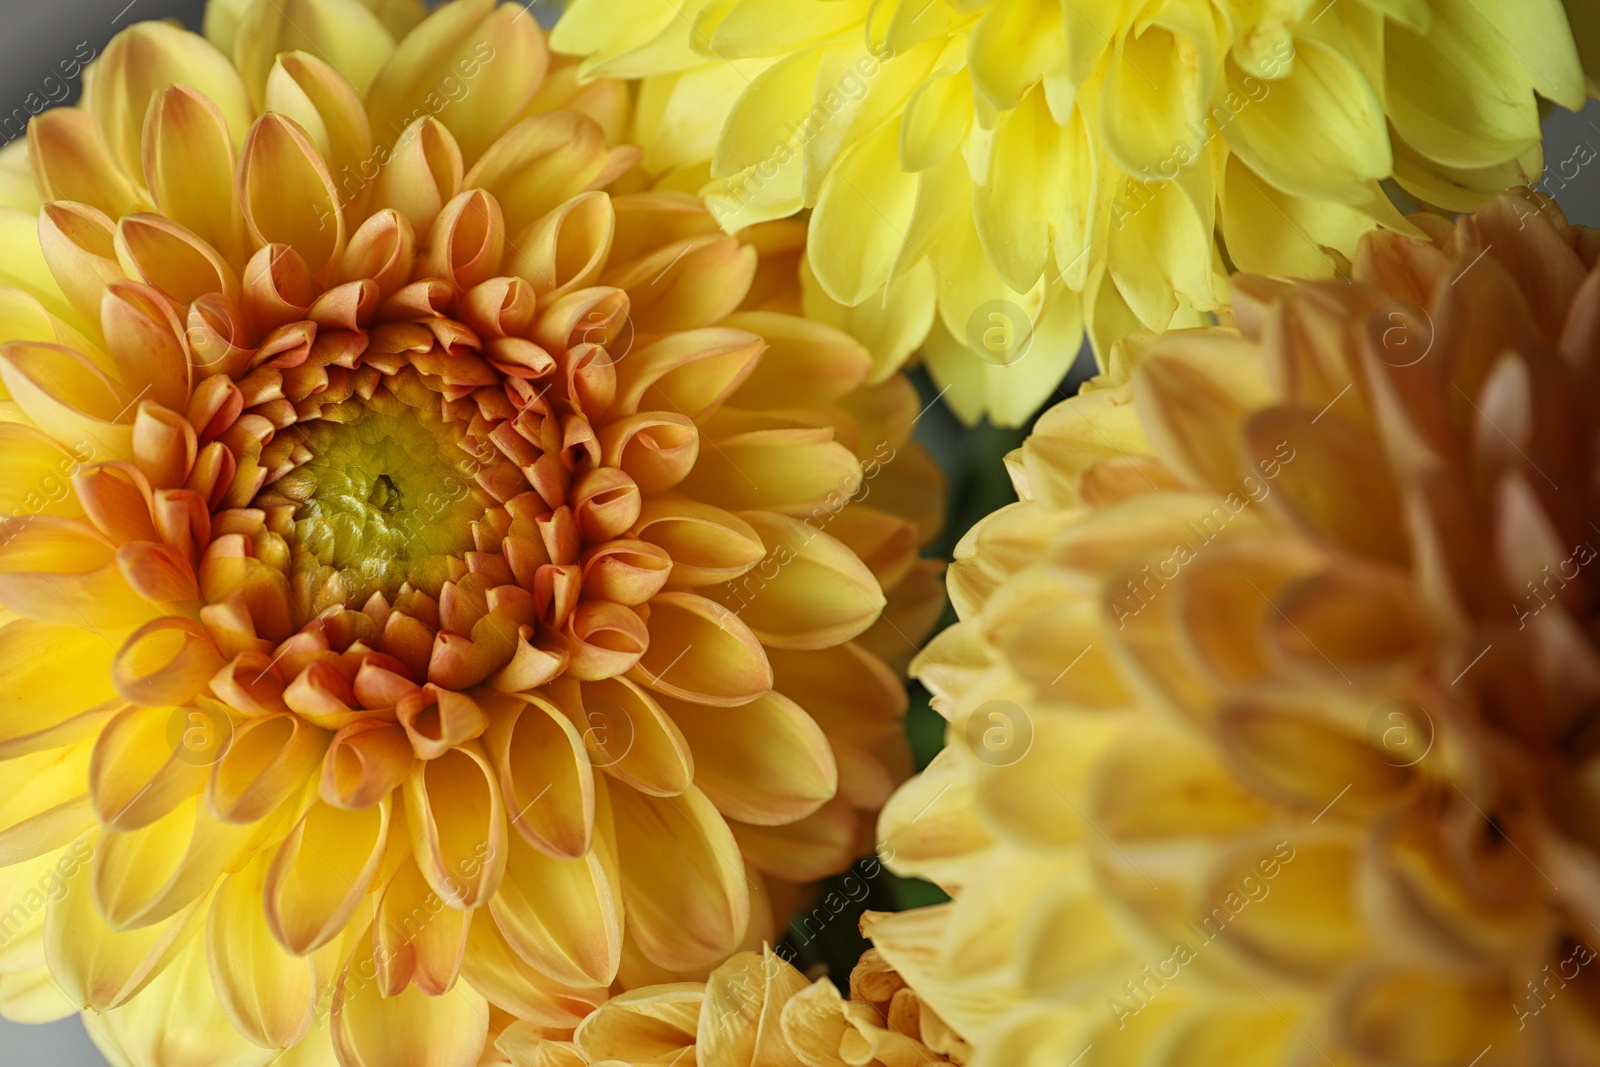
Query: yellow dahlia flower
x=1029 y=166
x=755 y=1009
x=435 y=592
x=1273 y=703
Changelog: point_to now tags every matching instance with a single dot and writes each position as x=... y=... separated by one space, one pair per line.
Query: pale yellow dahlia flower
x=435 y=592
x=1061 y=163
x=753 y=1011
x=1273 y=703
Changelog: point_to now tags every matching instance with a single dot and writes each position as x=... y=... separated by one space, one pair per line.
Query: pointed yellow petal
x=140 y=62
x=344 y=33
x=100 y=967
x=48 y=704
x=458 y=825
x=70 y=162
x=321 y=871
x=188 y=166
x=265 y=991
x=695 y=915
x=288 y=195
x=473 y=65
x=146 y=875
x=408 y=1030
x=559 y=916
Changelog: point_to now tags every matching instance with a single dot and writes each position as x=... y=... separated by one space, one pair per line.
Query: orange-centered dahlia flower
x=1035 y=167
x=755 y=1009
x=431 y=585
x=1273 y=706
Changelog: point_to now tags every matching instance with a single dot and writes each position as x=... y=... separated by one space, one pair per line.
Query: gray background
x=40 y=33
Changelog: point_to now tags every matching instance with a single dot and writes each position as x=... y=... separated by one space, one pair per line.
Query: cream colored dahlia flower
x=1029 y=166
x=1273 y=703
x=753 y=1011
x=435 y=592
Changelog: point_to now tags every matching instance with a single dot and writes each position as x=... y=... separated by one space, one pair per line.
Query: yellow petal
x=44 y=802
x=1017 y=209
x=146 y=875
x=60 y=571
x=473 y=65
x=417 y=937
x=264 y=767
x=140 y=62
x=50 y=705
x=321 y=871
x=176 y=1022
x=629 y=736
x=265 y=990
x=656 y=1023
x=805 y=362
x=408 y=1030
x=891 y=329
x=806 y=850
x=138 y=775
x=787 y=470
x=745 y=999
x=1459 y=93
x=421 y=174
x=560 y=916
x=32 y=997
x=861 y=219
x=173 y=259
x=312 y=93
x=696 y=915
x=458 y=825
x=701 y=651
x=1353 y=149
x=1158 y=85
x=70 y=162
x=494 y=970
x=78 y=242
x=544 y=772
x=565 y=249
x=689 y=371
x=188 y=167
x=288 y=195
x=540 y=164
x=100 y=967
x=345 y=34
x=810 y=592
x=26 y=268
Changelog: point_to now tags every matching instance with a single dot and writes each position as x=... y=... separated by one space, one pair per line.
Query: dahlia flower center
x=376 y=503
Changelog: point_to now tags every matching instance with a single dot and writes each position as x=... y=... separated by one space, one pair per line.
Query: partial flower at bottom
x=1273 y=703
x=436 y=592
x=756 y=1010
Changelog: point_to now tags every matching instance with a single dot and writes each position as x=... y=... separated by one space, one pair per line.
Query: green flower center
x=385 y=498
